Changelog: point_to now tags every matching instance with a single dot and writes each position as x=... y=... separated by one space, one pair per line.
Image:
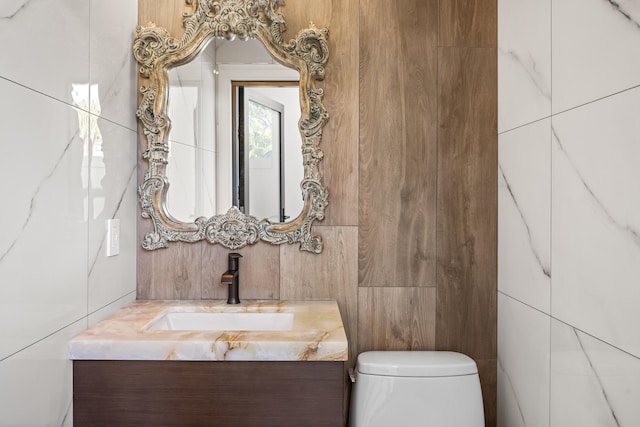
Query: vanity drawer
x=205 y=393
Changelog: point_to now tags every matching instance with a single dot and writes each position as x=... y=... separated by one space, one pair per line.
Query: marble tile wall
x=67 y=164
x=569 y=214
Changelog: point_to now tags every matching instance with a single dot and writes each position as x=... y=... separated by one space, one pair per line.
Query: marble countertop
x=317 y=333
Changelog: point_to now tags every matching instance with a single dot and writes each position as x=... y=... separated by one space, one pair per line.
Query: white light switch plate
x=113 y=237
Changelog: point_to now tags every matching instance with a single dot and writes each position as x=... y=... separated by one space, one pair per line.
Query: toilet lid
x=416 y=363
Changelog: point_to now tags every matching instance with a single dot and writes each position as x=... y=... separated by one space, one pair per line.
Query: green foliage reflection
x=260 y=131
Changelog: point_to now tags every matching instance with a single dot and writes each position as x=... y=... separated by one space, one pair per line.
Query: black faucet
x=231 y=277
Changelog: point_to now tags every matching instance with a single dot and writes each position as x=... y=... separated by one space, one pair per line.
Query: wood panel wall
x=428 y=160
x=410 y=163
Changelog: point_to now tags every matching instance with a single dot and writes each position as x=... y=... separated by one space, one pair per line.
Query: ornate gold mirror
x=216 y=23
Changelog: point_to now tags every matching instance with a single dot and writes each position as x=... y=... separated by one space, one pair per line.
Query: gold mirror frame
x=157 y=51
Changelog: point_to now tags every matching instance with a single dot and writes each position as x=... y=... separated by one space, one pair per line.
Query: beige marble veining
x=317 y=334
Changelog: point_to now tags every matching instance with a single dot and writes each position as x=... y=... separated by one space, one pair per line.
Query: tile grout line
x=550 y=145
x=89 y=202
x=66 y=103
x=524 y=303
x=524 y=125
x=593 y=101
x=80 y=319
x=628 y=353
x=572 y=326
x=552 y=115
x=83 y=318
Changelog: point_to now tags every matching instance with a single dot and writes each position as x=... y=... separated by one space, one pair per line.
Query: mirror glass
x=234 y=137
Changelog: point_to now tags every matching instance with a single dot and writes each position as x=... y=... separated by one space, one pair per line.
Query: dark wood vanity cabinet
x=230 y=394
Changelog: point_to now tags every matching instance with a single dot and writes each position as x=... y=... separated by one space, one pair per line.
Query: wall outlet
x=113 y=237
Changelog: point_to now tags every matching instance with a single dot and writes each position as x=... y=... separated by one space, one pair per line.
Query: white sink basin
x=189 y=321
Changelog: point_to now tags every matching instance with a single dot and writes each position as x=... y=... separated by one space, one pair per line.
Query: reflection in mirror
x=267 y=162
x=209 y=176
x=204 y=169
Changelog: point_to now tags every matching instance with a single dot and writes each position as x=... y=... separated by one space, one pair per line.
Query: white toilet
x=416 y=388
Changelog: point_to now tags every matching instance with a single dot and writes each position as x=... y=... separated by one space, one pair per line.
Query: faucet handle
x=234 y=261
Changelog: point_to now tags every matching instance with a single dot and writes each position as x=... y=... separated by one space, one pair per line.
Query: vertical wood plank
x=488 y=371
x=467 y=202
x=340 y=135
x=396 y=318
x=299 y=14
x=172 y=273
x=398 y=143
x=164 y=13
x=470 y=23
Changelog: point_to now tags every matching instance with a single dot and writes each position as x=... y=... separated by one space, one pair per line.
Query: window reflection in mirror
x=267 y=160
x=204 y=169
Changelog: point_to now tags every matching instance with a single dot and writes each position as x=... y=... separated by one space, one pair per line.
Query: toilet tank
x=416 y=388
